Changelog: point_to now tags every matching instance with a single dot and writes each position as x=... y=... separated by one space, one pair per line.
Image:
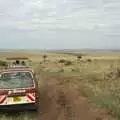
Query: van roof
x=17 y=58
x=18 y=69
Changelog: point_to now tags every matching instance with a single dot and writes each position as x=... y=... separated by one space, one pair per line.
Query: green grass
x=20 y=116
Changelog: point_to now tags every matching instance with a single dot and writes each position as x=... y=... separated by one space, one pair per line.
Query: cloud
x=58 y=20
x=54 y=13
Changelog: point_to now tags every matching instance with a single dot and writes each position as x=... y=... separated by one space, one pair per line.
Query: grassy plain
x=96 y=76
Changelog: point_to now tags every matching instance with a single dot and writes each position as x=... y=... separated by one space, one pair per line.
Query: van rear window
x=16 y=79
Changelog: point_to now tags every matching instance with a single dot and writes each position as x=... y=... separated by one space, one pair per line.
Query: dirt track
x=60 y=100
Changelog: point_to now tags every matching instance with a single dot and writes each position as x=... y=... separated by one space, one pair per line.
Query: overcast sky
x=59 y=24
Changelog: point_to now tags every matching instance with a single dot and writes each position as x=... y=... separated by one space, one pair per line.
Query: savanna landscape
x=74 y=86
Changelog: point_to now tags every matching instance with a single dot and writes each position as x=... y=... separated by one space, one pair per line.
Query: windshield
x=16 y=79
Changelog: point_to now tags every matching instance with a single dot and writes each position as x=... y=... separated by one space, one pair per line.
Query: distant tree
x=45 y=57
x=79 y=57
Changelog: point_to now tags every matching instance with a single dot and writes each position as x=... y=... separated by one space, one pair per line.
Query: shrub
x=61 y=70
x=89 y=60
x=75 y=70
x=118 y=72
x=67 y=63
x=3 y=63
x=79 y=57
x=112 y=73
x=62 y=61
x=45 y=57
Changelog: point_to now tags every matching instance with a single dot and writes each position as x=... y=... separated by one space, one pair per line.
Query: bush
x=112 y=74
x=67 y=63
x=62 y=61
x=61 y=70
x=3 y=63
x=79 y=57
x=89 y=60
x=75 y=70
x=45 y=57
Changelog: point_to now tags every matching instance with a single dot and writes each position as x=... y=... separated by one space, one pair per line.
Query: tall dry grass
x=99 y=80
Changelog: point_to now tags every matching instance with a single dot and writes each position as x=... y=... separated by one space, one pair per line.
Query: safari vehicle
x=18 y=87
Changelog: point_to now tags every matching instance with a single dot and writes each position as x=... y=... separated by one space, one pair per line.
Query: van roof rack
x=17 y=58
x=12 y=62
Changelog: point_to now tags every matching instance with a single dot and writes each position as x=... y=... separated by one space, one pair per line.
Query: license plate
x=16 y=99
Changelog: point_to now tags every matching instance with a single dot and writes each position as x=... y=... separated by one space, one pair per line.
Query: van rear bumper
x=19 y=107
